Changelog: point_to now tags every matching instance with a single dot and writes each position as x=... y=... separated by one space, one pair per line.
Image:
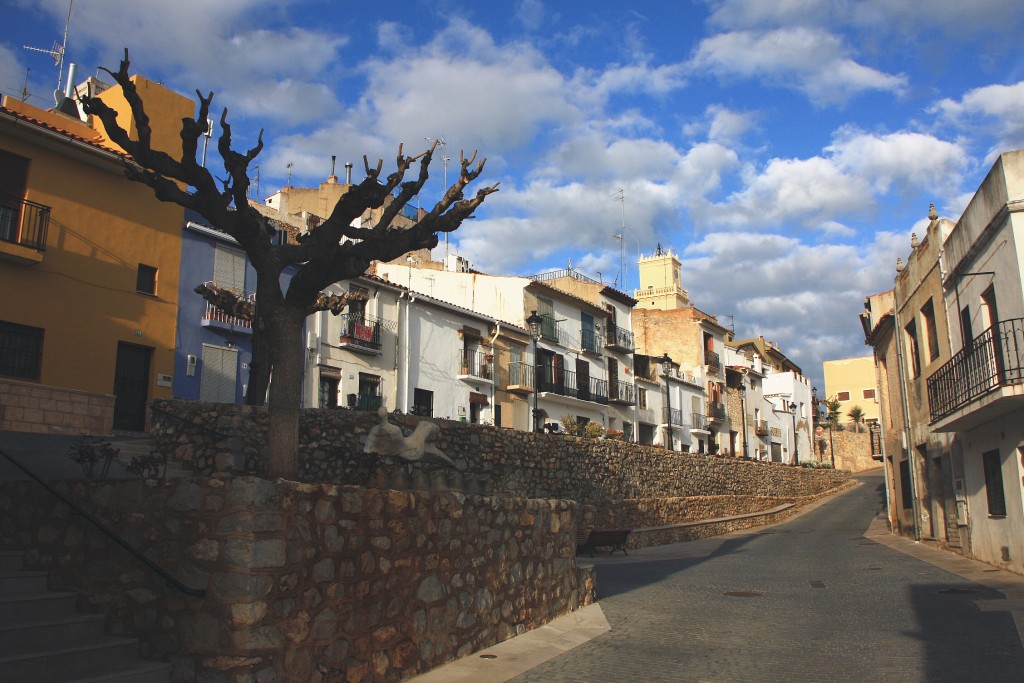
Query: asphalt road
x=811 y=599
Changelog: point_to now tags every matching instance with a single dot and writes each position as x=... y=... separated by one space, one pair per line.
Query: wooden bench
x=615 y=539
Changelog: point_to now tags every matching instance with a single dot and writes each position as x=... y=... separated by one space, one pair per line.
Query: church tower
x=660 y=278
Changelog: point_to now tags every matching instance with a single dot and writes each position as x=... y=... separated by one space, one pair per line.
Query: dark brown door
x=131 y=386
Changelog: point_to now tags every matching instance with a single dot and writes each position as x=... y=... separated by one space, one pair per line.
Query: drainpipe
x=494 y=372
x=905 y=406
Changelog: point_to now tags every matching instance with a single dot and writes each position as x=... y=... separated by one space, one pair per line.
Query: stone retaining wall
x=304 y=580
x=852 y=449
x=217 y=437
x=32 y=407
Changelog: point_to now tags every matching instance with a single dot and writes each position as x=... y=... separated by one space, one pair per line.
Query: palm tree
x=856 y=415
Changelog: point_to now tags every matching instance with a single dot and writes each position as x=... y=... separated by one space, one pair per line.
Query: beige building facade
x=852 y=382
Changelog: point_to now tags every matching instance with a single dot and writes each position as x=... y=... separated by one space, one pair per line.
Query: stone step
x=22 y=582
x=11 y=560
x=61 y=661
x=26 y=635
x=34 y=606
x=135 y=672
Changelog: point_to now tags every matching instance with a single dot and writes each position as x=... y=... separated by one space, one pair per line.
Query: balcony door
x=583 y=379
x=13 y=180
x=613 y=379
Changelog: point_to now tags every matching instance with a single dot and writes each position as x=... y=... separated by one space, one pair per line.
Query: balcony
x=368 y=402
x=520 y=378
x=619 y=339
x=589 y=342
x=672 y=416
x=646 y=415
x=715 y=413
x=761 y=428
x=982 y=381
x=621 y=392
x=477 y=366
x=712 y=360
x=23 y=228
x=700 y=423
x=361 y=333
x=218 y=319
x=564 y=383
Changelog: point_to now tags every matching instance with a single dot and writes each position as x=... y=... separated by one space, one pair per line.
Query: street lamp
x=535 y=322
x=743 y=417
x=666 y=368
x=796 y=452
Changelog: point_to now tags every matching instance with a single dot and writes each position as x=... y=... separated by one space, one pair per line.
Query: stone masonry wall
x=30 y=407
x=305 y=582
x=216 y=437
x=853 y=449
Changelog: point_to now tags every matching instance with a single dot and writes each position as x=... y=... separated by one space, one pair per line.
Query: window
x=843 y=396
x=906 y=492
x=229 y=268
x=994 y=484
x=965 y=327
x=641 y=398
x=329 y=391
x=913 y=356
x=869 y=393
x=422 y=402
x=930 y=334
x=145 y=279
x=218 y=375
x=989 y=315
x=21 y=350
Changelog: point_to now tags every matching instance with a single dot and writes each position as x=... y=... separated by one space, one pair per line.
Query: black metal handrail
x=700 y=420
x=361 y=330
x=993 y=359
x=715 y=411
x=589 y=340
x=520 y=374
x=564 y=383
x=618 y=338
x=24 y=222
x=673 y=416
x=88 y=516
x=624 y=392
x=711 y=359
x=477 y=363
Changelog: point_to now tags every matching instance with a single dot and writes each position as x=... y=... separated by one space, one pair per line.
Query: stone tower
x=660 y=278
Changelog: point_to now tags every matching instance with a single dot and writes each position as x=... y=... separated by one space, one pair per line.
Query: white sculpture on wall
x=386 y=439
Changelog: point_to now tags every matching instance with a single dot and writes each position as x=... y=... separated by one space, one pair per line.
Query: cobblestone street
x=812 y=599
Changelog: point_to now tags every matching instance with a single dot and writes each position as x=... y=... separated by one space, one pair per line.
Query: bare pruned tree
x=321 y=257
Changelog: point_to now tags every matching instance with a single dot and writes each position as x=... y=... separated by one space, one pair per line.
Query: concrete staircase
x=43 y=638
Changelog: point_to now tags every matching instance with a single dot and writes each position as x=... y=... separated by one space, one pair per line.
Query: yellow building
x=660 y=282
x=852 y=382
x=89 y=267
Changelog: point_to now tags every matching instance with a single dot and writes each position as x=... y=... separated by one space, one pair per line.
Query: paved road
x=808 y=600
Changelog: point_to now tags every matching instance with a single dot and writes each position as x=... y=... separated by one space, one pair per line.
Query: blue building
x=213 y=349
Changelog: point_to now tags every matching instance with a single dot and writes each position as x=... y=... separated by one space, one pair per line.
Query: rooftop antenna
x=58 y=50
x=620 y=194
x=24 y=88
x=444 y=160
x=290 y=166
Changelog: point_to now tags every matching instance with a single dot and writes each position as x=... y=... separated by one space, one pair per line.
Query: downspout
x=905 y=406
x=494 y=373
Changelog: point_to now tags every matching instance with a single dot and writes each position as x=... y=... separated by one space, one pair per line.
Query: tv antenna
x=443 y=144
x=58 y=50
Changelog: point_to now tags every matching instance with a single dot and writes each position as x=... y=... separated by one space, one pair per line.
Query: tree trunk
x=261 y=364
x=288 y=358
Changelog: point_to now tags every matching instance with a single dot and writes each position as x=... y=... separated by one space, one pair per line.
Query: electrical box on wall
x=190 y=365
x=164 y=380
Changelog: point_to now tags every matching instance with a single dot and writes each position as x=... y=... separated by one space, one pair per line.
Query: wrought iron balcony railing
x=672 y=416
x=715 y=411
x=216 y=317
x=24 y=222
x=761 y=428
x=711 y=359
x=520 y=376
x=589 y=340
x=564 y=383
x=365 y=401
x=621 y=392
x=700 y=421
x=361 y=330
x=993 y=359
x=477 y=363
x=618 y=338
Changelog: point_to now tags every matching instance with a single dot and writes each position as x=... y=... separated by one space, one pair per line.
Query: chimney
x=348 y=173
x=333 y=179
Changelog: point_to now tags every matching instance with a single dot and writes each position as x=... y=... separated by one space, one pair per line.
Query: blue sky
x=786 y=150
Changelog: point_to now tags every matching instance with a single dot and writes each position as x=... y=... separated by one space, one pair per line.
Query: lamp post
x=535 y=321
x=666 y=368
x=743 y=417
x=796 y=452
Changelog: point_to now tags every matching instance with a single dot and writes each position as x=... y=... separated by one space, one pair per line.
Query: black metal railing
x=107 y=531
x=477 y=363
x=559 y=274
x=700 y=420
x=564 y=383
x=520 y=374
x=618 y=338
x=715 y=411
x=711 y=359
x=621 y=392
x=421 y=410
x=672 y=416
x=761 y=428
x=589 y=340
x=24 y=222
x=361 y=330
x=993 y=359
x=365 y=401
